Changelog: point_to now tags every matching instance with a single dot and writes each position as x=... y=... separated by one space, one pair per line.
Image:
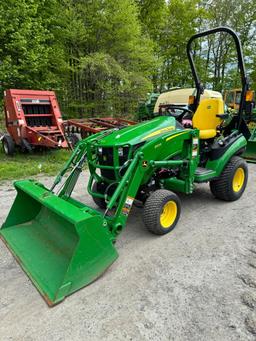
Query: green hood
x=138 y=133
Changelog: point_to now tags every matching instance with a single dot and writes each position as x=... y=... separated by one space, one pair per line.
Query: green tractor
x=146 y=108
x=232 y=99
x=63 y=244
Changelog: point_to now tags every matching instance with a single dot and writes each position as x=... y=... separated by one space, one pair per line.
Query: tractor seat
x=206 y=117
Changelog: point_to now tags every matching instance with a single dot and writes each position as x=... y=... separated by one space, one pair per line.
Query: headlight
x=100 y=150
x=120 y=151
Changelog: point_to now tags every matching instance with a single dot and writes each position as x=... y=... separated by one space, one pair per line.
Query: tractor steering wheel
x=171 y=110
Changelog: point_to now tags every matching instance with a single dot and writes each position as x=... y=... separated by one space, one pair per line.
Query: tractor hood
x=141 y=132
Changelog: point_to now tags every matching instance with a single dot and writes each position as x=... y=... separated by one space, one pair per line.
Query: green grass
x=26 y=165
x=20 y=165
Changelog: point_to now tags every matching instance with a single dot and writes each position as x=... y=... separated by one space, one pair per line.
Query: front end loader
x=63 y=244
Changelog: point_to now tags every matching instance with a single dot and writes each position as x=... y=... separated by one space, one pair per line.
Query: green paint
x=218 y=165
x=250 y=153
x=63 y=244
x=146 y=109
x=60 y=246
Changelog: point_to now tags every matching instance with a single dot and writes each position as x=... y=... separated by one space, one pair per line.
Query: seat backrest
x=205 y=115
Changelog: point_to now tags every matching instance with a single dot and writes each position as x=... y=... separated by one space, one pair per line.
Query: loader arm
x=157 y=153
x=75 y=164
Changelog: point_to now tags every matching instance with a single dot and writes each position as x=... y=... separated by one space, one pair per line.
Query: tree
x=153 y=16
x=103 y=56
x=27 y=55
x=183 y=19
x=220 y=60
x=112 y=64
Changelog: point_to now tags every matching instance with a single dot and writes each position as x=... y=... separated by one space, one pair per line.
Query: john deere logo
x=144 y=163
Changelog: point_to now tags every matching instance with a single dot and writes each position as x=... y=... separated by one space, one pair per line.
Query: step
x=203 y=174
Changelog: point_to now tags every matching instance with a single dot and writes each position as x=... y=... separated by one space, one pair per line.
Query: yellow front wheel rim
x=238 y=179
x=168 y=214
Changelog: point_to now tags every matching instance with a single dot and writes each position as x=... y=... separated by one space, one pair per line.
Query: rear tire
x=232 y=182
x=161 y=211
x=99 y=188
x=8 y=145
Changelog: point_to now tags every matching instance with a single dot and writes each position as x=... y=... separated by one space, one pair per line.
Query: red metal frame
x=94 y=125
x=17 y=105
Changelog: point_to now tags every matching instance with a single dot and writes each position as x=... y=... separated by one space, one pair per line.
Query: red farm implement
x=33 y=119
x=86 y=127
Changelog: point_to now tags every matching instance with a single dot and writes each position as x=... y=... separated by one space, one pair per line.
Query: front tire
x=99 y=188
x=161 y=211
x=230 y=185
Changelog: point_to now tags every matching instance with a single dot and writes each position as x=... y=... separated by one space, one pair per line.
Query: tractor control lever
x=223 y=116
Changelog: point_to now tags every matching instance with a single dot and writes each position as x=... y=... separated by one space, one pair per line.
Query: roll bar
x=241 y=65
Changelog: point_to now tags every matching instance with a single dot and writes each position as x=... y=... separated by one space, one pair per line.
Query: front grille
x=124 y=158
x=106 y=158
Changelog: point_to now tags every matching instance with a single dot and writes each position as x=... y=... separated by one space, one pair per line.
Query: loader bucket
x=61 y=244
x=250 y=153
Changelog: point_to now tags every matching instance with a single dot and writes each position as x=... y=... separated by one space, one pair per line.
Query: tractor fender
x=219 y=164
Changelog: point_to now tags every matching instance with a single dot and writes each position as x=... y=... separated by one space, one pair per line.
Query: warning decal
x=127 y=206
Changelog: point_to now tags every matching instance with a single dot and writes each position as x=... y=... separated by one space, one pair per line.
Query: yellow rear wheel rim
x=168 y=214
x=238 y=179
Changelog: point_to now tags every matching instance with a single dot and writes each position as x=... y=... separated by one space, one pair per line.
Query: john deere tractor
x=63 y=244
x=232 y=99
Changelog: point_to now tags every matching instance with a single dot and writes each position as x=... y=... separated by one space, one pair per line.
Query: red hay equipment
x=33 y=119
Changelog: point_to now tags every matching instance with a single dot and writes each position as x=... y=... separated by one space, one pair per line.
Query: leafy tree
x=183 y=19
x=103 y=56
x=221 y=61
x=27 y=55
x=154 y=17
x=112 y=65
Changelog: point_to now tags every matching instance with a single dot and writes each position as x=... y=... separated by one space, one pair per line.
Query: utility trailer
x=33 y=119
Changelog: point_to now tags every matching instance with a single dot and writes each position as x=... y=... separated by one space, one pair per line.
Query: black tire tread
x=152 y=210
x=10 y=144
x=98 y=201
x=26 y=146
x=220 y=187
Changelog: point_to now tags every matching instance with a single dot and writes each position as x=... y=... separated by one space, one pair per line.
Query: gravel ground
x=197 y=283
